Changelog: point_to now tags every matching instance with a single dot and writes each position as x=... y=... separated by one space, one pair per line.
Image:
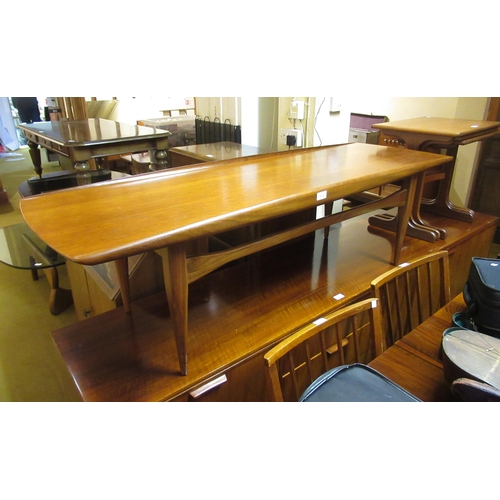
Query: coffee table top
x=21 y=248
x=108 y=221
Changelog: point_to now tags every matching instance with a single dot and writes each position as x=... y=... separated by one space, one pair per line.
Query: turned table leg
x=36 y=157
x=160 y=160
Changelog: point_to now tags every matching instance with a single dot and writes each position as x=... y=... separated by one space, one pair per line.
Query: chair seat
x=355 y=383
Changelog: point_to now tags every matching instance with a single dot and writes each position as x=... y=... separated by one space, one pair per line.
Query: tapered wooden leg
x=122 y=271
x=176 y=286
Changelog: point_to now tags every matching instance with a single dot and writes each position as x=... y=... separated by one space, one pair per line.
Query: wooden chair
x=341 y=337
x=409 y=294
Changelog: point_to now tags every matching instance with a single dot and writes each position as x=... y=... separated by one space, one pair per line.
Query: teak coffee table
x=166 y=211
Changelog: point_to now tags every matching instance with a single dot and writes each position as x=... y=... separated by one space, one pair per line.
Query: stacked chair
x=327 y=359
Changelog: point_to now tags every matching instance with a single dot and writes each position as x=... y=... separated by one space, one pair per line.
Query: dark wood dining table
x=415 y=361
x=82 y=140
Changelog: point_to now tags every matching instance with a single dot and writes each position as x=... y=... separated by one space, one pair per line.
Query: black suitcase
x=482 y=295
x=355 y=383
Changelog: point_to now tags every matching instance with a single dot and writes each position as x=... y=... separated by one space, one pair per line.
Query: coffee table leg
x=123 y=280
x=404 y=214
x=176 y=286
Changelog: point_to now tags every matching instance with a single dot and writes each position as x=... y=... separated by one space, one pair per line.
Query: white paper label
x=319 y=321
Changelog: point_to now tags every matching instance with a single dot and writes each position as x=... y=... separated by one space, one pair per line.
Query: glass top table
x=21 y=248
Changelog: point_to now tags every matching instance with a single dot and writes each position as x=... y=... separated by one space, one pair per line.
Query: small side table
x=21 y=248
x=435 y=135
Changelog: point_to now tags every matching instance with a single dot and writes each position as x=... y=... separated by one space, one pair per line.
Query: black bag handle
x=471 y=303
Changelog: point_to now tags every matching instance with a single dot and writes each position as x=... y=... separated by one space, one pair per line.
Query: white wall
x=331 y=128
x=259 y=117
x=223 y=108
x=250 y=110
x=402 y=108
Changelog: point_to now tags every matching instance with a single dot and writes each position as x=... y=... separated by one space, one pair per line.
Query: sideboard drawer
x=243 y=383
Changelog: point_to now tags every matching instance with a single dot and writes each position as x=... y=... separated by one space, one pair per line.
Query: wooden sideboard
x=244 y=309
x=415 y=362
